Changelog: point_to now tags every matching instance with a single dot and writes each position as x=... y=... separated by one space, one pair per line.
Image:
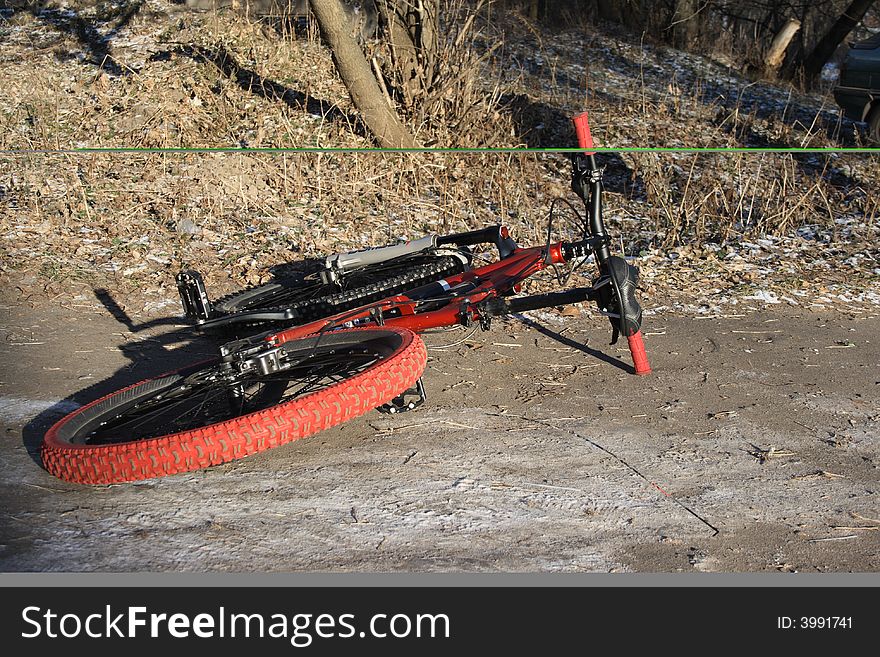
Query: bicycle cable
x=585 y=232
x=473 y=330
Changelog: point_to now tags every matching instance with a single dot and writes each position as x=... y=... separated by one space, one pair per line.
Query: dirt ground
x=762 y=423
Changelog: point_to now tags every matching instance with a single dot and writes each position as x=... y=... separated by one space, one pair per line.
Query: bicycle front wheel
x=214 y=412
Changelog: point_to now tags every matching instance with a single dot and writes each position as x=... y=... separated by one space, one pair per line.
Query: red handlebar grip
x=637 y=349
x=582 y=129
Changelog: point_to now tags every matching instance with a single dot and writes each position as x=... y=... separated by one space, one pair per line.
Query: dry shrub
x=454 y=100
x=693 y=198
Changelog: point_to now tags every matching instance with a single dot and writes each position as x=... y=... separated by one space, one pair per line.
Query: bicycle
x=310 y=374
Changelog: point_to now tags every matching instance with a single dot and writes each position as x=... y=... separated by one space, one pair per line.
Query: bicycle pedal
x=193 y=296
x=401 y=403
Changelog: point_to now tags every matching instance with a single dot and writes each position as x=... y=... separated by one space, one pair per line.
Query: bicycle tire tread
x=234 y=438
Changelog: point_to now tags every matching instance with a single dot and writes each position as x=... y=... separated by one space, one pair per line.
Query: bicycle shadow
x=148 y=358
x=574 y=344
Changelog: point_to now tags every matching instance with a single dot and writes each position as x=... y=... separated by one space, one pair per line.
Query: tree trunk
x=609 y=10
x=828 y=44
x=428 y=31
x=776 y=53
x=684 y=24
x=536 y=10
x=355 y=72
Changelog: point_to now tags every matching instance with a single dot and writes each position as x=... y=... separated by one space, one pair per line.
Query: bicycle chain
x=313 y=309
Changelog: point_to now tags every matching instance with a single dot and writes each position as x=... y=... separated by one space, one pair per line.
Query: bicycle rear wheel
x=308 y=298
x=218 y=411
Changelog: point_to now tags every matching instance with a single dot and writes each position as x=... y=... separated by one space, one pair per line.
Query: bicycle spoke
x=162 y=409
x=193 y=404
x=198 y=409
x=310 y=385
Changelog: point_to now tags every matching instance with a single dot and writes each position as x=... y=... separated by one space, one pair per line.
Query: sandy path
x=470 y=481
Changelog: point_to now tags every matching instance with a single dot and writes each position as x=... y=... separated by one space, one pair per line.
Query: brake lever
x=619 y=298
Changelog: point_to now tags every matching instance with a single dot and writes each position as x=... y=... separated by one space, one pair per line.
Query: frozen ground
x=764 y=423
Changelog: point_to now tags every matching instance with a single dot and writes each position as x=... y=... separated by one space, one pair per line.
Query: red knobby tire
x=67 y=454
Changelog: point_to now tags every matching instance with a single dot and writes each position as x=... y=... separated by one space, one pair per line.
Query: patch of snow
x=830 y=72
x=764 y=295
x=544 y=316
x=18 y=409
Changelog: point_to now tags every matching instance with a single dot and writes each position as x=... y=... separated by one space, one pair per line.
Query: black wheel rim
x=218 y=393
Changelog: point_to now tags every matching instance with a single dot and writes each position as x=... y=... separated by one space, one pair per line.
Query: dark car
x=858 y=89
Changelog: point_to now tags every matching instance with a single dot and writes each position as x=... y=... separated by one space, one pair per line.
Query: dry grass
x=169 y=80
x=717 y=197
x=131 y=220
x=135 y=219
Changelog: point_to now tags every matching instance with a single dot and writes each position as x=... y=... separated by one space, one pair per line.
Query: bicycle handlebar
x=582 y=129
x=622 y=275
x=488 y=235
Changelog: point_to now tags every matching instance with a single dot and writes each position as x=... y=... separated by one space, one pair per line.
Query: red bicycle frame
x=466 y=291
x=478 y=294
